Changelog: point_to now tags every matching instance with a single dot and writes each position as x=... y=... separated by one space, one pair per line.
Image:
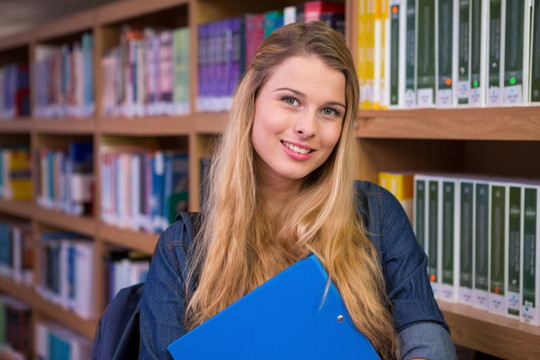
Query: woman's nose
x=306 y=125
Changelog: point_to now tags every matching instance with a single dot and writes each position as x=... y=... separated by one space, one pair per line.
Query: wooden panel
x=129 y=239
x=66 y=27
x=148 y=126
x=24 y=209
x=209 y=123
x=21 y=39
x=65 y=126
x=517 y=123
x=83 y=225
x=19 y=125
x=490 y=333
x=128 y=10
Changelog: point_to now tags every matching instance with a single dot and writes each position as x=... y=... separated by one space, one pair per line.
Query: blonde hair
x=238 y=249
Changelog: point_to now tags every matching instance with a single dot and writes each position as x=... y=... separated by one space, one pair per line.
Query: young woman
x=281 y=187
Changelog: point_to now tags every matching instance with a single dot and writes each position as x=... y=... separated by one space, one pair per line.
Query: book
x=497 y=238
x=512 y=250
x=450 y=242
x=478 y=62
x=534 y=57
x=396 y=60
x=410 y=54
x=181 y=92
x=482 y=244
x=401 y=185
x=446 y=10
x=466 y=235
x=434 y=232
x=310 y=322
x=516 y=52
x=254 y=34
x=426 y=53
x=273 y=19
x=463 y=53
x=495 y=56
x=531 y=256
x=420 y=210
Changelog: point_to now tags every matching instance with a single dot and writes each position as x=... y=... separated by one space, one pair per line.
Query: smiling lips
x=297 y=152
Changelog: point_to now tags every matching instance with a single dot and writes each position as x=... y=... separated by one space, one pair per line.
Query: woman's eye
x=330 y=112
x=290 y=100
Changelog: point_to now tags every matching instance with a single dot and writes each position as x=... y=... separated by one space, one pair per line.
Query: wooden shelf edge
x=83 y=225
x=66 y=26
x=19 y=125
x=147 y=126
x=19 y=208
x=34 y=300
x=504 y=123
x=128 y=238
x=65 y=126
x=491 y=333
x=209 y=123
x=124 y=10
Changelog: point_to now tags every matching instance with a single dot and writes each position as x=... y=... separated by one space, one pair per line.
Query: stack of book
x=16 y=251
x=16 y=173
x=448 y=53
x=14 y=91
x=481 y=237
x=52 y=341
x=15 y=328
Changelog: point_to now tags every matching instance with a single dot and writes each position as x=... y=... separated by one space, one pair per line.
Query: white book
x=466 y=237
x=498 y=243
x=516 y=52
x=513 y=251
x=530 y=312
x=482 y=244
x=289 y=14
x=84 y=279
x=449 y=242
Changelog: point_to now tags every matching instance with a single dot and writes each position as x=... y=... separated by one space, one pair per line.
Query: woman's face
x=298 y=119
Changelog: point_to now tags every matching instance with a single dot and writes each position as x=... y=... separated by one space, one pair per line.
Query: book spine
x=478 y=52
x=531 y=257
x=420 y=211
x=426 y=53
x=445 y=69
x=481 y=241
x=498 y=228
x=534 y=82
x=494 y=53
x=466 y=249
x=513 y=251
x=396 y=58
x=450 y=241
x=434 y=232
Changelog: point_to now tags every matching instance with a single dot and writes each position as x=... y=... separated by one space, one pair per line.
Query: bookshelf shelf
x=128 y=9
x=67 y=26
x=129 y=239
x=65 y=126
x=511 y=123
x=83 y=225
x=85 y=327
x=24 y=293
x=148 y=126
x=20 y=125
x=209 y=123
x=491 y=333
x=18 y=207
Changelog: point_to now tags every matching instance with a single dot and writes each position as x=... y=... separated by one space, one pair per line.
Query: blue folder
x=287 y=317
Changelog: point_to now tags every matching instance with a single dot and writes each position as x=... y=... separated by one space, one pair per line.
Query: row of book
x=67 y=261
x=15 y=173
x=148 y=74
x=448 y=53
x=64 y=79
x=14 y=91
x=143 y=189
x=227 y=46
x=53 y=341
x=124 y=268
x=66 y=178
x=16 y=251
x=481 y=237
x=15 y=328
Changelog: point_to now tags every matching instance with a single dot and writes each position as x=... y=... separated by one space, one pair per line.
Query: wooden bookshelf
x=502 y=141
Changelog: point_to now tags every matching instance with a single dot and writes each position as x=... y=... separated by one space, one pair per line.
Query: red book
x=314 y=9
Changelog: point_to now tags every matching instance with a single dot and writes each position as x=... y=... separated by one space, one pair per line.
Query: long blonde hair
x=238 y=247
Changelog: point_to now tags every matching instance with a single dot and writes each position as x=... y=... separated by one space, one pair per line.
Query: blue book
x=288 y=317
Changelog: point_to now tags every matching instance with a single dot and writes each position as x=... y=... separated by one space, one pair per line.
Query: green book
x=425 y=53
x=517 y=27
x=463 y=53
x=181 y=93
x=410 y=54
x=478 y=51
x=513 y=252
x=497 y=294
x=445 y=68
x=449 y=286
x=420 y=211
x=534 y=92
x=395 y=51
x=466 y=249
x=494 y=43
x=531 y=257
x=433 y=234
x=481 y=247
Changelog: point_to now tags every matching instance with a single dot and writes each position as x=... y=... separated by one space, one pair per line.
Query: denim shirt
x=418 y=320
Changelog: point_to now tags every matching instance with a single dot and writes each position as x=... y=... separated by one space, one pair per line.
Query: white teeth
x=297 y=149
